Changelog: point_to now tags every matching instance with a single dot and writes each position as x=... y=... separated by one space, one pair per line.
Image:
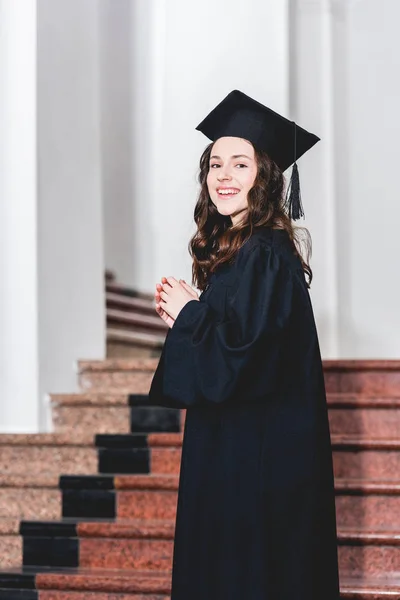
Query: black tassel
x=293 y=205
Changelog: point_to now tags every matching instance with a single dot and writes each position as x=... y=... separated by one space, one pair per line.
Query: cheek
x=248 y=178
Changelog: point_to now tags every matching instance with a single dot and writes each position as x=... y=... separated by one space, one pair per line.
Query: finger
x=172 y=281
x=164 y=295
x=188 y=288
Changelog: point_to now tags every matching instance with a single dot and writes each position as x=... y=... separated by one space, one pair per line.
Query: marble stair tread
x=115 y=299
x=351 y=486
x=90 y=439
x=100 y=528
x=84 y=579
x=366 y=536
x=370 y=588
x=121 y=482
x=361 y=400
x=165 y=527
x=153 y=340
x=132 y=318
x=29 y=480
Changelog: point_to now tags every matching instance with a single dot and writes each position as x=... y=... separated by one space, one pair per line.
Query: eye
x=214 y=165
x=241 y=165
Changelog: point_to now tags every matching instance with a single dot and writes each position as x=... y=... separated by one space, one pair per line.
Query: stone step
x=367 y=377
x=148 y=544
x=367 y=503
x=30 y=496
x=349 y=414
x=10 y=543
x=370 y=416
x=358 y=502
x=77 y=584
x=369 y=552
x=122 y=375
x=87 y=454
x=356 y=457
x=83 y=584
x=112 y=413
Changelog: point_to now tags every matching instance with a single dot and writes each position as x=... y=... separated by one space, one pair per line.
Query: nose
x=223 y=173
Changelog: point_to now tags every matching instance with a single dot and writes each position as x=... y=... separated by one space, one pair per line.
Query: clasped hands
x=171 y=296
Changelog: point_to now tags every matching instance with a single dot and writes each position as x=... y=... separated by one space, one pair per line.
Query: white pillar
x=19 y=360
x=70 y=241
x=312 y=89
x=51 y=257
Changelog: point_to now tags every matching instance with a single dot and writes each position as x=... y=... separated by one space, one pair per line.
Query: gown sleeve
x=209 y=359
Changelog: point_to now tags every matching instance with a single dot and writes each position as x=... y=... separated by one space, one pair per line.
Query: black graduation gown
x=256 y=512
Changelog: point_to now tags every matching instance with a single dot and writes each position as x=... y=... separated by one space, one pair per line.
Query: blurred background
x=99 y=100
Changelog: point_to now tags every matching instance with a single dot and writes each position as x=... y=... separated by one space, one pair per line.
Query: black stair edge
x=17 y=580
x=60 y=528
x=138 y=400
x=124 y=461
x=15 y=594
x=86 y=482
x=123 y=440
x=89 y=504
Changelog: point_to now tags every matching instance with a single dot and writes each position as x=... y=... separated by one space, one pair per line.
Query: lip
x=227 y=188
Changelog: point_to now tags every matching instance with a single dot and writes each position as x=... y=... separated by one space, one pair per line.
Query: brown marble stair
x=133 y=326
x=121 y=517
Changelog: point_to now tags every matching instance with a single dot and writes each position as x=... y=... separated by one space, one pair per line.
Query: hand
x=173 y=297
x=160 y=311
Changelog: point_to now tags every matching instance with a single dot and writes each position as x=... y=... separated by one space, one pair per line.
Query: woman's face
x=231 y=175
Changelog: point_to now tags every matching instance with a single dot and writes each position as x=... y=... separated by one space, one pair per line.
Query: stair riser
x=110 y=504
x=368 y=511
x=10 y=551
x=116 y=419
x=30 y=503
x=369 y=422
x=126 y=554
x=355 y=382
x=369 y=560
x=368 y=382
x=55 y=595
x=367 y=464
x=105 y=553
x=156 y=555
x=122 y=381
x=94 y=419
x=146 y=504
x=51 y=460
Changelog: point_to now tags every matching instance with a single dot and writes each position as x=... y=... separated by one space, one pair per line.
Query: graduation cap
x=283 y=140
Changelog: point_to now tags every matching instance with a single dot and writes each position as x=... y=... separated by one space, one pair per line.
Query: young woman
x=256 y=511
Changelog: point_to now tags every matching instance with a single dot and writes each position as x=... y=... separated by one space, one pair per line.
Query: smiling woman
x=231 y=176
x=256 y=508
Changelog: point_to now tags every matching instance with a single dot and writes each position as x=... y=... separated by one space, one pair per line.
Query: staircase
x=133 y=328
x=87 y=512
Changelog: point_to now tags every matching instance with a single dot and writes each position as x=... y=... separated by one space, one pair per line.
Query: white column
x=51 y=256
x=70 y=241
x=312 y=89
x=19 y=375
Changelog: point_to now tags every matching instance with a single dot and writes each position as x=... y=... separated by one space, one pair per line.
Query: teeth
x=228 y=192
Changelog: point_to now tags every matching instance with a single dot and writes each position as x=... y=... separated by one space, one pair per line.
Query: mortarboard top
x=283 y=140
x=239 y=115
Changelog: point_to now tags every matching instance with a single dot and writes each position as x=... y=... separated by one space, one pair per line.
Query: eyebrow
x=234 y=156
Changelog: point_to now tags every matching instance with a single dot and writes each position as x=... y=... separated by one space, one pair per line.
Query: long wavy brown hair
x=217 y=241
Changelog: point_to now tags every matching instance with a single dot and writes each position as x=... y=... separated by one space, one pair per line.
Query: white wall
x=370 y=205
x=183 y=63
